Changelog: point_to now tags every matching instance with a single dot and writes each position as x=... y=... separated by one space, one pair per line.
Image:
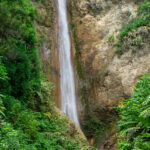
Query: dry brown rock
x=97 y=20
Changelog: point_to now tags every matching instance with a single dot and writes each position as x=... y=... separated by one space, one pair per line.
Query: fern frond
x=125 y=124
x=145 y=113
x=147 y=101
x=128 y=130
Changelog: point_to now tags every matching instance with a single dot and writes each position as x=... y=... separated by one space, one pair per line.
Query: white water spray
x=67 y=84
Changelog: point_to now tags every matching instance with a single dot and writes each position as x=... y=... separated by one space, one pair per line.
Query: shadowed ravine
x=67 y=85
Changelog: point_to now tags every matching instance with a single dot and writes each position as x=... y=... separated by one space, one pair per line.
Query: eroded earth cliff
x=105 y=77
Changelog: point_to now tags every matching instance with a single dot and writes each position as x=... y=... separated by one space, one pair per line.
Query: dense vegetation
x=18 y=48
x=142 y=19
x=95 y=127
x=135 y=118
x=134 y=124
x=28 y=120
x=25 y=129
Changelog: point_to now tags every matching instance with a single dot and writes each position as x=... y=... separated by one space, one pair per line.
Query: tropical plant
x=135 y=118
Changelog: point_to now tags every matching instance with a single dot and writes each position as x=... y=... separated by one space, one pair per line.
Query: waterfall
x=67 y=84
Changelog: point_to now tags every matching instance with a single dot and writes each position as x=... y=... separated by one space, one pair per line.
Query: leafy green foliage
x=96 y=127
x=28 y=129
x=135 y=118
x=27 y=120
x=143 y=19
x=3 y=74
x=4 y=85
x=93 y=127
x=144 y=10
x=111 y=38
x=136 y=40
x=34 y=130
x=18 y=47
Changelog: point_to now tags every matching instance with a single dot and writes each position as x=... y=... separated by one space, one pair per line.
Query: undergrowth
x=135 y=118
x=28 y=120
x=142 y=19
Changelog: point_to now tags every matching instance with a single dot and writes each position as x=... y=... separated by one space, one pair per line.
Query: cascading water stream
x=67 y=84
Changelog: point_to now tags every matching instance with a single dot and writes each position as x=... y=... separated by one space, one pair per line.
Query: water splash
x=67 y=84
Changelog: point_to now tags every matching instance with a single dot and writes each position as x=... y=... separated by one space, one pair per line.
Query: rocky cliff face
x=104 y=77
x=46 y=25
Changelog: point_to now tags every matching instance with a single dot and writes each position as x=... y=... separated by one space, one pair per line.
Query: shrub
x=111 y=38
x=17 y=46
x=4 y=85
x=135 y=118
x=143 y=19
x=95 y=127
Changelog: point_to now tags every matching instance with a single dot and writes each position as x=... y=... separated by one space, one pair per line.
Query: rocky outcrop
x=74 y=130
x=46 y=26
x=108 y=77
